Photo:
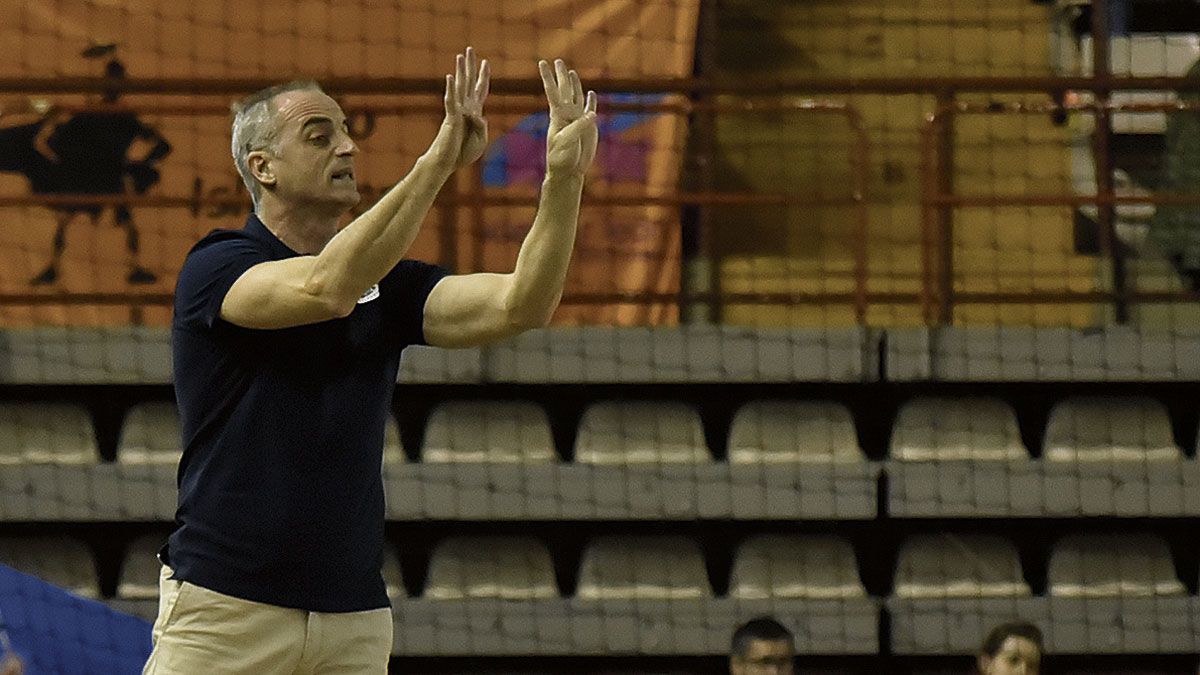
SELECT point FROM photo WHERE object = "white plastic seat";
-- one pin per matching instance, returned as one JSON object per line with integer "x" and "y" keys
{"x": 1109, "y": 565}
{"x": 959, "y": 566}
{"x": 949, "y": 429}
{"x": 504, "y": 568}
{"x": 643, "y": 568}
{"x": 507, "y": 432}
{"x": 150, "y": 435}
{"x": 783, "y": 566}
{"x": 627, "y": 432}
{"x": 1110, "y": 429}
{"x": 393, "y": 451}
{"x": 62, "y": 561}
{"x": 50, "y": 433}
{"x": 141, "y": 569}
{"x": 793, "y": 432}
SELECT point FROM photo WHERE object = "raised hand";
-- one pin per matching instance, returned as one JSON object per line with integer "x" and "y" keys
{"x": 572, "y": 135}
{"x": 465, "y": 127}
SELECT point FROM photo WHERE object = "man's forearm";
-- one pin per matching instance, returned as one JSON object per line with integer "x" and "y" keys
{"x": 537, "y": 281}
{"x": 370, "y": 246}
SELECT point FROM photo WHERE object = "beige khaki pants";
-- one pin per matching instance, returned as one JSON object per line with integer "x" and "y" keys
{"x": 199, "y": 631}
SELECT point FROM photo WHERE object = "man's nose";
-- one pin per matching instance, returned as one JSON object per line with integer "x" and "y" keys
{"x": 346, "y": 145}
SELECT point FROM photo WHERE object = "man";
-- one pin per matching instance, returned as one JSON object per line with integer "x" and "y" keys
{"x": 762, "y": 647}
{"x": 1011, "y": 649}
{"x": 287, "y": 337}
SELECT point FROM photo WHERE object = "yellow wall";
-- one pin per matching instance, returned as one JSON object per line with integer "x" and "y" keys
{"x": 807, "y": 249}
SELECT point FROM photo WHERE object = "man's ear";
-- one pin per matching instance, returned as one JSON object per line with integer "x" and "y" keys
{"x": 259, "y": 163}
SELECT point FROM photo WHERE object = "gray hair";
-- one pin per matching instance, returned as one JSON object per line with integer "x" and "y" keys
{"x": 254, "y": 128}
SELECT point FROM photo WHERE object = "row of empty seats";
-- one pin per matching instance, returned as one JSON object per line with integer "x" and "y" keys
{"x": 672, "y": 568}
{"x": 1135, "y": 429}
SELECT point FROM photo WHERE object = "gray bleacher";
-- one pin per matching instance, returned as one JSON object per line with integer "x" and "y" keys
{"x": 787, "y": 460}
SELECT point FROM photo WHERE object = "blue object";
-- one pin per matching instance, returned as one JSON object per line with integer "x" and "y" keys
{"x": 520, "y": 153}
{"x": 57, "y": 633}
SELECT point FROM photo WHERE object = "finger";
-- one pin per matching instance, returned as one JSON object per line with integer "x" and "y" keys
{"x": 472, "y": 67}
{"x": 587, "y": 145}
{"x": 548, "y": 83}
{"x": 563, "y": 80}
{"x": 460, "y": 77}
{"x": 576, "y": 88}
{"x": 590, "y": 105}
{"x": 484, "y": 84}
{"x": 451, "y": 104}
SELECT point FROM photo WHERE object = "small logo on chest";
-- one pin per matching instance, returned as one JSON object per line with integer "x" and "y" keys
{"x": 371, "y": 294}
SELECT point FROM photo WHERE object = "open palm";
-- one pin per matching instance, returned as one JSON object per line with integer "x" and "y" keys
{"x": 572, "y": 135}
{"x": 466, "y": 90}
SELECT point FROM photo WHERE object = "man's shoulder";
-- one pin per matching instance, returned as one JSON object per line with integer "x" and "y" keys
{"x": 225, "y": 241}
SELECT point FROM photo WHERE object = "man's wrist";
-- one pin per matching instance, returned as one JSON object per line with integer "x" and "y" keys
{"x": 438, "y": 161}
{"x": 564, "y": 177}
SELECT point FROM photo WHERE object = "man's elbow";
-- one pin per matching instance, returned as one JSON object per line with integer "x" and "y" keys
{"x": 521, "y": 319}
{"x": 331, "y": 303}
{"x": 340, "y": 308}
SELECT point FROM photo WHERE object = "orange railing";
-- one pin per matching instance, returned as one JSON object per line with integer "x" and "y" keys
{"x": 697, "y": 98}
{"x": 475, "y": 197}
{"x": 939, "y": 201}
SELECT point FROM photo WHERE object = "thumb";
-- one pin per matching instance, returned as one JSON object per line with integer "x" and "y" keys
{"x": 449, "y": 99}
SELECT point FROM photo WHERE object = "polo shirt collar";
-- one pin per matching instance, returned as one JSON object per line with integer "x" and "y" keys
{"x": 256, "y": 228}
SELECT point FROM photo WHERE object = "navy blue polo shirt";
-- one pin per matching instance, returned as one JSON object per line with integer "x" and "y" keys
{"x": 280, "y": 492}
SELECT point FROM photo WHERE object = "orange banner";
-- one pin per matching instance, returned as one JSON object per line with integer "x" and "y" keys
{"x": 179, "y": 159}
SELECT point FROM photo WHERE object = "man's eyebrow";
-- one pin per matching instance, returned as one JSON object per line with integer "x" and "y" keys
{"x": 316, "y": 119}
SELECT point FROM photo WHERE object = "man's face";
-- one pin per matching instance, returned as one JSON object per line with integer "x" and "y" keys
{"x": 764, "y": 657}
{"x": 312, "y": 161}
{"x": 1017, "y": 656}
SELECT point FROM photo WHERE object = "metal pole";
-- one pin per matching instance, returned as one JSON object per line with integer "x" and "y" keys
{"x": 1102, "y": 149}
{"x": 944, "y": 165}
{"x": 699, "y": 276}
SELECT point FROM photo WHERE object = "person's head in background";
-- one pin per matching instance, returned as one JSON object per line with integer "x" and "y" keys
{"x": 1011, "y": 649}
{"x": 761, "y": 647}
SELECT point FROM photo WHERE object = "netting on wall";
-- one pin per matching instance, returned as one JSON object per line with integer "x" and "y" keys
{"x": 700, "y": 440}
{"x": 175, "y": 153}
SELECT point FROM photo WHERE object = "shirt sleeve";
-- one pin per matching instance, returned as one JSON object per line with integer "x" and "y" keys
{"x": 405, "y": 290}
{"x": 208, "y": 273}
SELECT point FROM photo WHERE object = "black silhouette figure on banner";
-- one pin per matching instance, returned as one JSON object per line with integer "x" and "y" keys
{"x": 86, "y": 154}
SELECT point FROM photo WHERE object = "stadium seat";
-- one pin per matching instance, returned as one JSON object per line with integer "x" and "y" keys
{"x": 809, "y": 567}
{"x": 503, "y": 568}
{"x": 62, "y": 561}
{"x": 141, "y": 570}
{"x": 55, "y": 433}
{"x": 393, "y": 451}
{"x": 778, "y": 432}
{"x": 640, "y": 432}
{"x": 508, "y": 432}
{"x": 643, "y": 568}
{"x": 958, "y": 566}
{"x": 1110, "y": 429}
{"x": 1107, "y": 565}
{"x": 393, "y": 578}
{"x": 150, "y": 435}
{"x": 949, "y": 429}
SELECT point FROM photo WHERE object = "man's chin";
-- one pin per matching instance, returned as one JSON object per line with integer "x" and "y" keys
{"x": 344, "y": 199}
